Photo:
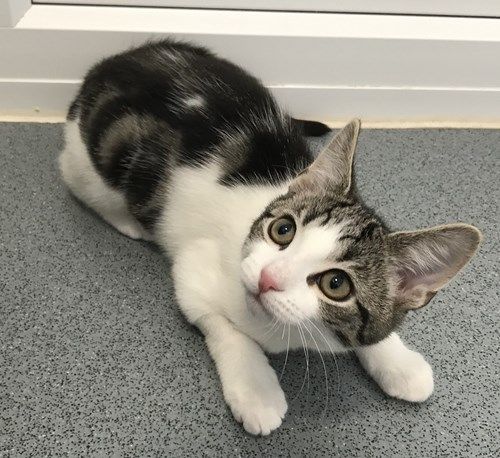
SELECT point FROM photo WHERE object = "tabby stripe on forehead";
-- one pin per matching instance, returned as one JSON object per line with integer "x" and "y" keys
{"x": 368, "y": 230}
{"x": 347, "y": 236}
{"x": 365, "y": 316}
{"x": 267, "y": 214}
{"x": 328, "y": 217}
{"x": 327, "y": 214}
{"x": 365, "y": 233}
{"x": 311, "y": 216}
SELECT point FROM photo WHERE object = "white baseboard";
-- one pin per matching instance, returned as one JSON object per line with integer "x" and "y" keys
{"x": 384, "y": 69}
{"x": 49, "y": 99}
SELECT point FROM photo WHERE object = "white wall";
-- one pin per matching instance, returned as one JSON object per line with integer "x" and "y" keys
{"x": 321, "y": 66}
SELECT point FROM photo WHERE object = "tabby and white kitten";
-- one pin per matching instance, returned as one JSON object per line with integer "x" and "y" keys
{"x": 170, "y": 143}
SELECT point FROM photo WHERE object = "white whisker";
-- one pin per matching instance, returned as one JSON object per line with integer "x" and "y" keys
{"x": 286, "y": 356}
{"x": 324, "y": 368}
{"x": 331, "y": 352}
{"x": 306, "y": 356}
{"x": 271, "y": 329}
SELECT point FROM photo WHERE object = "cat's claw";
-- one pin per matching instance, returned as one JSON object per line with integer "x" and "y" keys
{"x": 261, "y": 411}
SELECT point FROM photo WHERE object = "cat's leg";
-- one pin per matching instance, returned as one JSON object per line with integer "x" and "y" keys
{"x": 86, "y": 184}
{"x": 249, "y": 384}
{"x": 399, "y": 371}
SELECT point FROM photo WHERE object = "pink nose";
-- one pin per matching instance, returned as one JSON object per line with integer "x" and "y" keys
{"x": 267, "y": 282}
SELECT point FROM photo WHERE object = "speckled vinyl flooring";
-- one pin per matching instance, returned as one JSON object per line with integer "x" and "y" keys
{"x": 96, "y": 360}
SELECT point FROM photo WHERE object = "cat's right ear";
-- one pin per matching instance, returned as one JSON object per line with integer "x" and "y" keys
{"x": 332, "y": 169}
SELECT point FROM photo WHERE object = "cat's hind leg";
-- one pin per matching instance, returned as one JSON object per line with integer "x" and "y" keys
{"x": 87, "y": 185}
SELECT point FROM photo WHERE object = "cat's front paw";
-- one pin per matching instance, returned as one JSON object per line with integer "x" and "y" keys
{"x": 260, "y": 409}
{"x": 408, "y": 377}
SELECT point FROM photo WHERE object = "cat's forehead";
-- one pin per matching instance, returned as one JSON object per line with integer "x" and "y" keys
{"x": 342, "y": 228}
{"x": 327, "y": 210}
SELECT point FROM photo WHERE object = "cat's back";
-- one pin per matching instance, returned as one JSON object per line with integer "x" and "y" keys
{"x": 145, "y": 113}
{"x": 183, "y": 85}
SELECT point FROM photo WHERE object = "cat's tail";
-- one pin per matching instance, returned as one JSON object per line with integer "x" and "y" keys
{"x": 311, "y": 128}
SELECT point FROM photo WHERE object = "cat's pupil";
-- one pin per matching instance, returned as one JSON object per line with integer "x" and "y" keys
{"x": 285, "y": 229}
{"x": 336, "y": 281}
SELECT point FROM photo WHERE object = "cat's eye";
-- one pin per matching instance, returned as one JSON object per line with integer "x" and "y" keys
{"x": 282, "y": 230}
{"x": 335, "y": 284}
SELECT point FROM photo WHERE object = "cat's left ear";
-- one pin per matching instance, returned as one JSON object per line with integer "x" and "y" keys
{"x": 422, "y": 262}
{"x": 332, "y": 169}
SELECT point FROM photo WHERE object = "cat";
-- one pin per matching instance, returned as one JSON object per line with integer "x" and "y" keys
{"x": 169, "y": 143}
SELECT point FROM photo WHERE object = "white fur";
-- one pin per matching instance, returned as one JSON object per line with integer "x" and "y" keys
{"x": 399, "y": 371}
{"x": 82, "y": 178}
{"x": 249, "y": 383}
{"x": 203, "y": 229}
{"x": 196, "y": 101}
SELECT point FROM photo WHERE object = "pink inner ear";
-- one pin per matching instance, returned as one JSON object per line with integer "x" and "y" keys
{"x": 410, "y": 280}
{"x": 426, "y": 260}
{"x": 429, "y": 268}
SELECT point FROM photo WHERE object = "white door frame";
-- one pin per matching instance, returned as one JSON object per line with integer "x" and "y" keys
{"x": 11, "y": 11}
{"x": 413, "y": 7}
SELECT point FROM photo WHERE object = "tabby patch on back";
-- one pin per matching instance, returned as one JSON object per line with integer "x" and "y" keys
{"x": 170, "y": 143}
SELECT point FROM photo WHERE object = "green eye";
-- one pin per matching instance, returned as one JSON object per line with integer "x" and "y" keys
{"x": 335, "y": 284}
{"x": 282, "y": 230}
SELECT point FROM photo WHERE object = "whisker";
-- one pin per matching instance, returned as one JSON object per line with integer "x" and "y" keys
{"x": 307, "y": 363}
{"x": 331, "y": 352}
{"x": 306, "y": 354}
{"x": 324, "y": 370}
{"x": 286, "y": 356}
{"x": 307, "y": 360}
{"x": 270, "y": 332}
{"x": 272, "y": 323}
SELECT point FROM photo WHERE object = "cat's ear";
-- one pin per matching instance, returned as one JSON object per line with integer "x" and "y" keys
{"x": 422, "y": 262}
{"x": 332, "y": 169}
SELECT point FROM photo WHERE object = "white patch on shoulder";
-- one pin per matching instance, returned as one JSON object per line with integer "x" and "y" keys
{"x": 198, "y": 205}
{"x": 196, "y": 101}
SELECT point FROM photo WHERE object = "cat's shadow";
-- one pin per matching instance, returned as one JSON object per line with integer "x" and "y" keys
{"x": 324, "y": 387}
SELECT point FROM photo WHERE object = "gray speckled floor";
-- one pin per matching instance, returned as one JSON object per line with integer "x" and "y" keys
{"x": 95, "y": 358}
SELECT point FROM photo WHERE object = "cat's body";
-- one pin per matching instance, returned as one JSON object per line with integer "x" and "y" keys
{"x": 171, "y": 144}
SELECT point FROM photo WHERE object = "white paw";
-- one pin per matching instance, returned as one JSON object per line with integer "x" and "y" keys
{"x": 260, "y": 405}
{"x": 408, "y": 377}
{"x": 131, "y": 229}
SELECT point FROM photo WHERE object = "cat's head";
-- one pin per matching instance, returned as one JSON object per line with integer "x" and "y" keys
{"x": 317, "y": 253}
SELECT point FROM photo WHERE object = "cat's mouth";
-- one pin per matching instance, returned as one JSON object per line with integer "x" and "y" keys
{"x": 257, "y": 304}
{"x": 255, "y": 301}
{"x": 270, "y": 306}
